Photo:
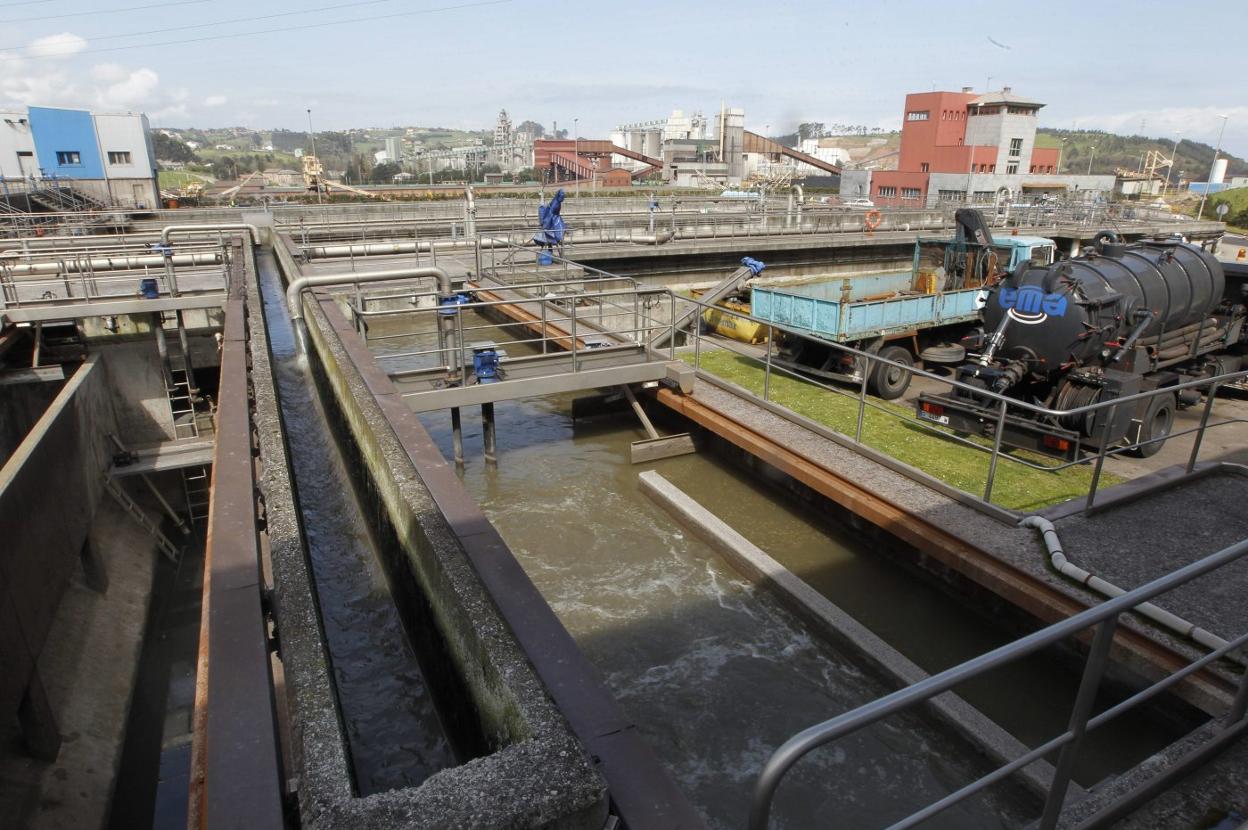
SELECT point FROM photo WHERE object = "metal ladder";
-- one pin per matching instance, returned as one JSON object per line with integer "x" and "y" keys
{"x": 123, "y": 498}
{"x": 180, "y": 390}
{"x": 196, "y": 485}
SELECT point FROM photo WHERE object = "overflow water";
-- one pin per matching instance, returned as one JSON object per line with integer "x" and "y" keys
{"x": 716, "y": 674}
{"x": 392, "y": 726}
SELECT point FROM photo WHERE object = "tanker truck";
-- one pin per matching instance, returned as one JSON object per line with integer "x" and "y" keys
{"x": 1117, "y": 320}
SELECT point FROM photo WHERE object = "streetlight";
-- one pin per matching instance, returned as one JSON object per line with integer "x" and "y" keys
{"x": 1061, "y": 148}
{"x": 576, "y": 138}
{"x": 312, "y": 138}
{"x": 1090, "y": 159}
{"x": 1216, "y": 151}
{"x": 1174, "y": 158}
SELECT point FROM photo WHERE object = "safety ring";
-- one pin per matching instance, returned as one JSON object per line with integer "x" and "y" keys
{"x": 872, "y": 219}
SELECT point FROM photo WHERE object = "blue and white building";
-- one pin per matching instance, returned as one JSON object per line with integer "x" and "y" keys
{"x": 107, "y": 156}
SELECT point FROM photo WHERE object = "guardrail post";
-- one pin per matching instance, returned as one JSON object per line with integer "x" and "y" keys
{"x": 1200, "y": 434}
{"x": 697, "y": 342}
{"x": 1090, "y": 683}
{"x": 671, "y": 337}
{"x": 771, "y": 333}
{"x": 574, "y": 366}
{"x": 1100, "y": 459}
{"x": 862, "y": 399}
{"x": 996, "y": 451}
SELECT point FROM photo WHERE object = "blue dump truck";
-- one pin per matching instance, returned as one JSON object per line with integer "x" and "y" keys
{"x": 913, "y": 317}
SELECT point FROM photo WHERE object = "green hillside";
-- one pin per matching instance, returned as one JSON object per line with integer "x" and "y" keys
{"x": 1237, "y": 200}
{"x": 1114, "y": 151}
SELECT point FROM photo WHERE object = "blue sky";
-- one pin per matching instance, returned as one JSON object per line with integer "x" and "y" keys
{"x": 1123, "y": 66}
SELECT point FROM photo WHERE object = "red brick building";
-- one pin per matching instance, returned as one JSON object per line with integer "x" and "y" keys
{"x": 960, "y": 144}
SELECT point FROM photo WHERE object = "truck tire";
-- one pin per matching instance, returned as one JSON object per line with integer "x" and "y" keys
{"x": 891, "y": 382}
{"x": 1157, "y": 423}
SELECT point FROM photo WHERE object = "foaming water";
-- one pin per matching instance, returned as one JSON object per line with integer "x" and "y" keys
{"x": 392, "y": 727}
{"x": 716, "y": 674}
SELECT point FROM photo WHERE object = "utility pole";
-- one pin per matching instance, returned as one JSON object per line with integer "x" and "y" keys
{"x": 1216, "y": 151}
{"x": 1090, "y": 158}
{"x": 576, "y": 145}
{"x": 321, "y": 172}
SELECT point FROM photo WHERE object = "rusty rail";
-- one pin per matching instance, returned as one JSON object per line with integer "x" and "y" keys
{"x": 235, "y": 758}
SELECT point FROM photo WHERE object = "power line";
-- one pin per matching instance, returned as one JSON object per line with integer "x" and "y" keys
{"x": 44, "y": 17}
{"x": 90, "y": 39}
{"x": 254, "y": 32}
{"x": 24, "y": 3}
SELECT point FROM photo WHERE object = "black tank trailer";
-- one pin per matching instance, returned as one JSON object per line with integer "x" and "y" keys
{"x": 1117, "y": 320}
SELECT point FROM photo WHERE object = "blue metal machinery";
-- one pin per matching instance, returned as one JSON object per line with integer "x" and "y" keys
{"x": 485, "y": 358}
{"x": 551, "y": 222}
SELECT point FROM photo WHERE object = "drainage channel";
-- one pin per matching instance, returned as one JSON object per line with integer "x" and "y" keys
{"x": 395, "y": 736}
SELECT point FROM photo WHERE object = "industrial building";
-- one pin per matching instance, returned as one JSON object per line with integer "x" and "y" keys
{"x": 105, "y": 159}
{"x": 965, "y": 146}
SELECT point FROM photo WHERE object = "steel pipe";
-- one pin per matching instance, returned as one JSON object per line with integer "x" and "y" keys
{"x": 1090, "y": 580}
{"x": 294, "y": 291}
{"x": 71, "y": 265}
{"x": 185, "y": 230}
{"x": 387, "y": 248}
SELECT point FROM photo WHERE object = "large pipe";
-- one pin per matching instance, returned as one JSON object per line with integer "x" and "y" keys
{"x": 385, "y": 248}
{"x": 294, "y": 303}
{"x": 187, "y": 230}
{"x": 1089, "y": 580}
{"x": 470, "y": 209}
{"x": 795, "y": 190}
{"x": 70, "y": 264}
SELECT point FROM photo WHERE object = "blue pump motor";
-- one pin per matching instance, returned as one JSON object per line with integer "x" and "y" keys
{"x": 450, "y": 305}
{"x": 149, "y": 289}
{"x": 753, "y": 264}
{"x": 485, "y": 364}
{"x": 544, "y": 258}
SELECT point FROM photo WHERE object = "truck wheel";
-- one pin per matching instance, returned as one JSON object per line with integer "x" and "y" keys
{"x": 1157, "y": 423}
{"x": 891, "y": 382}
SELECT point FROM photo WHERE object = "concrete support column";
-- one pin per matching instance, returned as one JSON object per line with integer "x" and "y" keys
{"x": 487, "y": 432}
{"x": 457, "y": 436}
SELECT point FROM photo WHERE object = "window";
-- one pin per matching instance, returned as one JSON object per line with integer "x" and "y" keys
{"x": 910, "y": 193}
{"x": 118, "y": 157}
{"x": 917, "y": 115}
{"x": 1012, "y": 167}
{"x": 68, "y": 157}
{"x": 1016, "y": 146}
{"x": 923, "y": 167}
{"x": 887, "y": 192}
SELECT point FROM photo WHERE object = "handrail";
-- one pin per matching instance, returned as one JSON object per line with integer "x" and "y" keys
{"x": 294, "y": 304}
{"x": 1105, "y": 616}
{"x": 185, "y": 230}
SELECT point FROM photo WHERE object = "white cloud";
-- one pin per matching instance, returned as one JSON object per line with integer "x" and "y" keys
{"x": 58, "y": 45}
{"x": 1196, "y": 123}
{"x": 215, "y": 101}
{"x": 133, "y": 89}
{"x": 109, "y": 73}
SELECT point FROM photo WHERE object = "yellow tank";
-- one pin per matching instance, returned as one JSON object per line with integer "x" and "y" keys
{"x": 730, "y": 325}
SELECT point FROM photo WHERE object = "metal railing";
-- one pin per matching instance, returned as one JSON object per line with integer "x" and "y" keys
{"x": 866, "y": 363}
{"x": 1104, "y": 618}
{"x": 60, "y": 275}
{"x": 570, "y": 324}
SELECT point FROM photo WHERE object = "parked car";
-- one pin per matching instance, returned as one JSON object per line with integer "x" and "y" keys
{"x": 858, "y": 204}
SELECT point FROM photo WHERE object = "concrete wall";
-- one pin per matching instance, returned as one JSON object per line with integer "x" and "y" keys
{"x": 49, "y": 490}
{"x": 138, "y": 385}
{"x": 15, "y": 138}
{"x": 20, "y": 407}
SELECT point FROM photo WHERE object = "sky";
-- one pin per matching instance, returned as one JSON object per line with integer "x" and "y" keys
{"x": 1120, "y": 65}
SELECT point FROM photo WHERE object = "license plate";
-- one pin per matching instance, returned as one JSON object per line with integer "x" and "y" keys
{"x": 939, "y": 419}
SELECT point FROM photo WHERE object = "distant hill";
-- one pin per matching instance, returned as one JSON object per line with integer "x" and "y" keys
{"x": 1114, "y": 151}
